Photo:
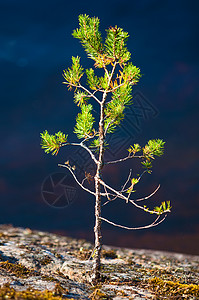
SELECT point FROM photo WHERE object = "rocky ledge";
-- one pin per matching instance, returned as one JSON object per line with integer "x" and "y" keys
{"x": 41, "y": 265}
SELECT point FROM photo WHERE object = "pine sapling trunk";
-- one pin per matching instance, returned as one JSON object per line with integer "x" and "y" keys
{"x": 97, "y": 228}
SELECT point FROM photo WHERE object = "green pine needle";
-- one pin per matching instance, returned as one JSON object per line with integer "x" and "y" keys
{"x": 52, "y": 143}
{"x": 84, "y": 122}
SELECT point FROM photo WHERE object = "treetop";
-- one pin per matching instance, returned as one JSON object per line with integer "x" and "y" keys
{"x": 114, "y": 48}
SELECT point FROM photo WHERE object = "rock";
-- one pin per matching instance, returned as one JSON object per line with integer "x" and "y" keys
{"x": 53, "y": 266}
{"x": 77, "y": 270}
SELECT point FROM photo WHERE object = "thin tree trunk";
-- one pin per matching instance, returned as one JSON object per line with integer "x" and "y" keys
{"x": 97, "y": 231}
{"x": 97, "y": 228}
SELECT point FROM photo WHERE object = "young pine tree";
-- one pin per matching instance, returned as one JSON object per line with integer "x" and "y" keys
{"x": 113, "y": 94}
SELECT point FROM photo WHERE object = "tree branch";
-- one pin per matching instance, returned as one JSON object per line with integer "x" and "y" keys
{"x": 145, "y": 171}
{"x": 85, "y": 147}
{"x": 128, "y": 200}
{"x": 122, "y": 190}
{"x": 107, "y": 195}
{"x": 123, "y": 159}
{"x": 149, "y": 196}
{"x": 91, "y": 94}
{"x": 85, "y": 89}
{"x": 109, "y": 81}
{"x": 69, "y": 168}
{"x": 155, "y": 223}
{"x": 112, "y": 121}
{"x": 105, "y": 69}
{"x": 118, "y": 86}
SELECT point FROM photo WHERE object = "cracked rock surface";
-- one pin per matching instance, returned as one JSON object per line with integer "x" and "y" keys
{"x": 39, "y": 261}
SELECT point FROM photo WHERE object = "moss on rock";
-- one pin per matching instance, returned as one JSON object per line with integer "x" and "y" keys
{"x": 7, "y": 292}
{"x": 173, "y": 289}
{"x": 17, "y": 269}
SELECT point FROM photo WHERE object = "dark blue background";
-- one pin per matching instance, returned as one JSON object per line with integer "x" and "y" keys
{"x": 36, "y": 45}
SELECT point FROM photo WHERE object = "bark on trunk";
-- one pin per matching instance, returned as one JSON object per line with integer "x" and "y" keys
{"x": 97, "y": 228}
{"x": 97, "y": 231}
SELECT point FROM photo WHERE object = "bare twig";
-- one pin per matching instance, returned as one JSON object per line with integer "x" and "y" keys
{"x": 107, "y": 194}
{"x": 90, "y": 152}
{"x": 149, "y": 196}
{"x": 105, "y": 69}
{"x": 85, "y": 147}
{"x": 106, "y": 91}
{"x": 118, "y": 86}
{"x": 130, "y": 172}
{"x": 107, "y": 127}
{"x": 83, "y": 180}
{"x": 112, "y": 72}
{"x": 85, "y": 89}
{"x": 155, "y": 223}
{"x": 88, "y": 137}
{"x": 137, "y": 179}
{"x": 69, "y": 168}
{"x": 122, "y": 190}
{"x": 120, "y": 195}
{"x": 91, "y": 94}
{"x": 123, "y": 159}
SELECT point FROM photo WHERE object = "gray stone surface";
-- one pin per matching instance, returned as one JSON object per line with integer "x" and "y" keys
{"x": 50, "y": 259}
